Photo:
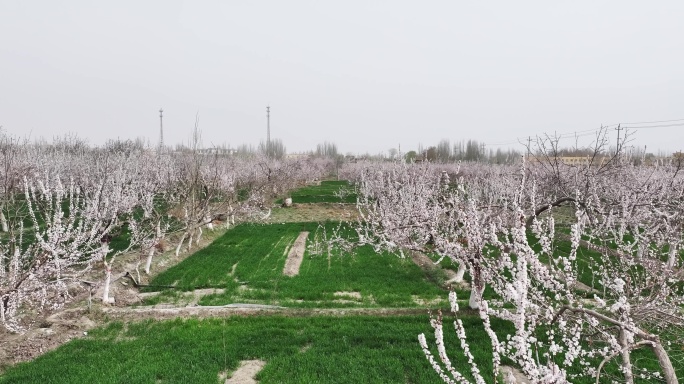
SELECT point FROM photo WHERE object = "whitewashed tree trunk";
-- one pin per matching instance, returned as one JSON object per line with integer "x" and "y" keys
{"x": 148, "y": 264}
{"x": 459, "y": 274}
{"x": 150, "y": 254}
{"x": 475, "y": 296}
{"x": 180, "y": 243}
{"x": 3, "y": 222}
{"x": 2, "y": 262}
{"x": 2, "y": 313}
{"x": 108, "y": 279}
{"x": 672, "y": 257}
{"x": 190, "y": 241}
{"x": 267, "y": 215}
{"x": 640, "y": 252}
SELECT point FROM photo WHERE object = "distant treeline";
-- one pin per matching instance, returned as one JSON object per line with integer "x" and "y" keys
{"x": 464, "y": 150}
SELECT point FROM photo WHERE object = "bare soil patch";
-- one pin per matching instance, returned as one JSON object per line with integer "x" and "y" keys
{"x": 296, "y": 255}
{"x": 426, "y": 302}
{"x": 246, "y": 372}
{"x": 353, "y": 295}
{"x": 52, "y": 332}
{"x": 314, "y": 212}
{"x": 197, "y": 294}
{"x": 246, "y": 310}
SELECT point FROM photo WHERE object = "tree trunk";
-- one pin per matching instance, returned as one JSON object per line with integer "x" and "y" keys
{"x": 2, "y": 312}
{"x": 108, "y": 279}
{"x": 476, "y": 295}
{"x": 626, "y": 361}
{"x": 148, "y": 264}
{"x": 672, "y": 257}
{"x": 3, "y": 222}
{"x": 180, "y": 243}
{"x": 459, "y": 274}
{"x": 665, "y": 363}
{"x": 477, "y": 287}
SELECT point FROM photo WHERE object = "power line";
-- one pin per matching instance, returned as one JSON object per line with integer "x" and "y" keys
{"x": 590, "y": 132}
{"x": 572, "y": 135}
{"x": 654, "y": 122}
{"x": 657, "y": 126}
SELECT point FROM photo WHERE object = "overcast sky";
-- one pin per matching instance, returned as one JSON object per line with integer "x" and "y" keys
{"x": 366, "y": 75}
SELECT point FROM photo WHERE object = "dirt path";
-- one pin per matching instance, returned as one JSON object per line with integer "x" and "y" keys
{"x": 296, "y": 255}
{"x": 246, "y": 372}
{"x": 247, "y": 310}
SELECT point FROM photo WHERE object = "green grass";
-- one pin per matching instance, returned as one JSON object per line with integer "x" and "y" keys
{"x": 258, "y": 253}
{"x": 353, "y": 349}
{"x": 248, "y": 263}
{"x": 327, "y": 192}
{"x": 585, "y": 258}
{"x": 297, "y": 350}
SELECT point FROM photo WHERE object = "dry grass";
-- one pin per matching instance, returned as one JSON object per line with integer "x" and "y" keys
{"x": 314, "y": 212}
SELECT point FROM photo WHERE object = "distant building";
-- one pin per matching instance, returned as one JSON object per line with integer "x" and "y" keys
{"x": 217, "y": 151}
{"x": 297, "y": 156}
{"x": 570, "y": 160}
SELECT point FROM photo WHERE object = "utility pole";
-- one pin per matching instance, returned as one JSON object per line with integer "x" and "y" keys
{"x": 268, "y": 130}
{"x": 617, "y": 149}
{"x": 529, "y": 141}
{"x": 161, "y": 129}
{"x": 643, "y": 158}
{"x": 482, "y": 146}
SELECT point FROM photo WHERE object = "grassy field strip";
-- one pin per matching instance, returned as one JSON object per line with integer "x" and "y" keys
{"x": 350, "y": 318}
{"x": 360, "y": 349}
{"x": 259, "y": 280}
{"x": 296, "y": 255}
{"x": 329, "y": 191}
{"x": 309, "y": 349}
